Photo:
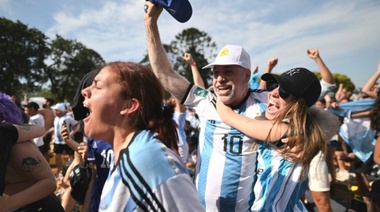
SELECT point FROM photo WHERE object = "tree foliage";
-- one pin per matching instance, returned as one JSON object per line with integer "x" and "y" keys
{"x": 195, "y": 42}
{"x": 200, "y": 45}
{"x": 346, "y": 81}
{"x": 22, "y": 55}
{"x": 70, "y": 61}
{"x": 340, "y": 78}
{"x": 30, "y": 62}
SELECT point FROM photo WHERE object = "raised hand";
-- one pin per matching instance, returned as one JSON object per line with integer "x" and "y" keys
{"x": 271, "y": 63}
{"x": 188, "y": 58}
{"x": 65, "y": 132}
{"x": 313, "y": 53}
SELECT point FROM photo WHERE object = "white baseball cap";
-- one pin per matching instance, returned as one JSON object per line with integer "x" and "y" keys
{"x": 232, "y": 55}
{"x": 60, "y": 107}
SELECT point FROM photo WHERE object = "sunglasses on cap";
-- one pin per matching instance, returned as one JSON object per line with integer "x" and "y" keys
{"x": 273, "y": 85}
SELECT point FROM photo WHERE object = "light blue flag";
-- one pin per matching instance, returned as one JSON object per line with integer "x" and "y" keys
{"x": 356, "y": 132}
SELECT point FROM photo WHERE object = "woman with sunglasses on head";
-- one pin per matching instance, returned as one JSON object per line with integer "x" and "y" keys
{"x": 287, "y": 140}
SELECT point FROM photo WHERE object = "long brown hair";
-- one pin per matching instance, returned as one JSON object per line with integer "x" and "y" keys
{"x": 304, "y": 136}
{"x": 140, "y": 83}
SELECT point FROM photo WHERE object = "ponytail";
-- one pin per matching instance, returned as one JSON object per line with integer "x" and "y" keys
{"x": 166, "y": 127}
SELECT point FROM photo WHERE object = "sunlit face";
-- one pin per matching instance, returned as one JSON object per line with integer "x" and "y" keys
{"x": 60, "y": 179}
{"x": 30, "y": 111}
{"x": 58, "y": 113}
{"x": 103, "y": 100}
{"x": 276, "y": 104}
{"x": 27, "y": 111}
{"x": 230, "y": 83}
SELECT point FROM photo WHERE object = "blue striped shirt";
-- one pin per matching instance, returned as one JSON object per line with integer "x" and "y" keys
{"x": 226, "y": 159}
{"x": 278, "y": 186}
{"x": 149, "y": 177}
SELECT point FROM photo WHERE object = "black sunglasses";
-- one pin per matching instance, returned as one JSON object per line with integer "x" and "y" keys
{"x": 273, "y": 85}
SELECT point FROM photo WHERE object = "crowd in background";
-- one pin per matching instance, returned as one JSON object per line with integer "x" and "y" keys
{"x": 352, "y": 154}
{"x": 343, "y": 165}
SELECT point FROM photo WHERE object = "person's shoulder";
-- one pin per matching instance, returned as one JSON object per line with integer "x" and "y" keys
{"x": 8, "y": 135}
{"x": 145, "y": 143}
{"x": 259, "y": 95}
{"x": 257, "y": 91}
{"x": 69, "y": 117}
{"x": 8, "y": 128}
{"x": 45, "y": 111}
{"x": 37, "y": 117}
{"x": 326, "y": 84}
{"x": 102, "y": 145}
{"x": 144, "y": 139}
{"x": 25, "y": 148}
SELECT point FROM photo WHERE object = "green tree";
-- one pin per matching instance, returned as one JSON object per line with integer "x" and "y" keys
{"x": 346, "y": 81}
{"x": 340, "y": 78}
{"x": 70, "y": 61}
{"x": 22, "y": 54}
{"x": 199, "y": 44}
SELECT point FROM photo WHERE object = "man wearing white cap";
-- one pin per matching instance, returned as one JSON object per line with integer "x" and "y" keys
{"x": 60, "y": 146}
{"x": 225, "y": 166}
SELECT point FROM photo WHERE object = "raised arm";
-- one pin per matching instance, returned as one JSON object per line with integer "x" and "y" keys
{"x": 171, "y": 80}
{"x": 323, "y": 69}
{"x": 66, "y": 135}
{"x": 198, "y": 81}
{"x": 271, "y": 63}
{"x": 28, "y": 132}
{"x": 369, "y": 87}
{"x": 257, "y": 129}
{"x": 339, "y": 95}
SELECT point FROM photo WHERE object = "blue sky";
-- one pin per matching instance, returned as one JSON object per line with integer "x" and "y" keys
{"x": 347, "y": 33}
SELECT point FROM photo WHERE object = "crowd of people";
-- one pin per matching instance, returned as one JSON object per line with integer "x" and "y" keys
{"x": 249, "y": 142}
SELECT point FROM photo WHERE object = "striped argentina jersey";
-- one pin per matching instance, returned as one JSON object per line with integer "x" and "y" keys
{"x": 149, "y": 177}
{"x": 58, "y": 122}
{"x": 278, "y": 186}
{"x": 226, "y": 159}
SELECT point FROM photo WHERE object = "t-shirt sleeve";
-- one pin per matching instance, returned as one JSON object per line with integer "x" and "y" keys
{"x": 318, "y": 174}
{"x": 326, "y": 87}
{"x": 8, "y": 135}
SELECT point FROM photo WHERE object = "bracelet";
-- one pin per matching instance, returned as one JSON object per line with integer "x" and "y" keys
{"x": 193, "y": 64}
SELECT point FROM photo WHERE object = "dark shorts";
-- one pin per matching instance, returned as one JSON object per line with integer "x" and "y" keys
{"x": 60, "y": 148}
{"x": 46, "y": 147}
{"x": 43, "y": 149}
{"x": 47, "y": 139}
{"x": 49, "y": 203}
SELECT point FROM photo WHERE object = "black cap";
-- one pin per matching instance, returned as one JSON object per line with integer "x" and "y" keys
{"x": 299, "y": 82}
{"x": 80, "y": 112}
{"x": 32, "y": 105}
